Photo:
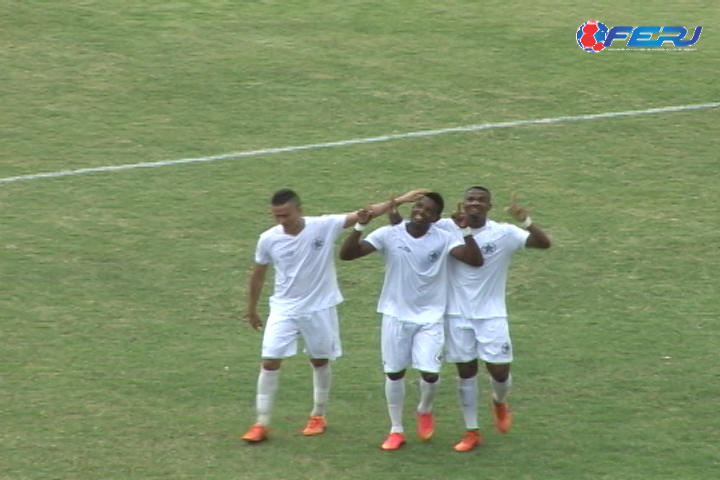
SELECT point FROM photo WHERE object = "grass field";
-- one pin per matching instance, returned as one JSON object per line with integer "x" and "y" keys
{"x": 123, "y": 354}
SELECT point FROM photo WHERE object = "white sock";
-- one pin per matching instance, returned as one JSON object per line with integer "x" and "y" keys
{"x": 395, "y": 395}
{"x": 427, "y": 395}
{"x": 322, "y": 378}
{"x": 467, "y": 389}
{"x": 267, "y": 386}
{"x": 500, "y": 390}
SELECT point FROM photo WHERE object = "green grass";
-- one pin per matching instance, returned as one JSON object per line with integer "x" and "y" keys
{"x": 124, "y": 354}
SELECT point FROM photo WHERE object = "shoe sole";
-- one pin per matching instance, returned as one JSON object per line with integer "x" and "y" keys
{"x": 382, "y": 447}
{"x": 466, "y": 449}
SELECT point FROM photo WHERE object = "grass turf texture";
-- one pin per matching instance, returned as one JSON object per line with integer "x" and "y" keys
{"x": 122, "y": 292}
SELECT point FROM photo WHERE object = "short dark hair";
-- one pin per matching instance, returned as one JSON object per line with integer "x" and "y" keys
{"x": 281, "y": 197}
{"x": 477, "y": 187}
{"x": 438, "y": 199}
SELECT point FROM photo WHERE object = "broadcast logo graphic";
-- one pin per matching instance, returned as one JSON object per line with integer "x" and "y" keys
{"x": 595, "y": 36}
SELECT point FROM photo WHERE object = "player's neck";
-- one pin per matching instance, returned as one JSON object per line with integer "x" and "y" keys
{"x": 295, "y": 228}
{"x": 416, "y": 231}
{"x": 477, "y": 222}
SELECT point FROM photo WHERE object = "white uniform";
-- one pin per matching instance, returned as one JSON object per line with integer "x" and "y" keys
{"x": 306, "y": 291}
{"x": 414, "y": 296}
{"x": 476, "y": 315}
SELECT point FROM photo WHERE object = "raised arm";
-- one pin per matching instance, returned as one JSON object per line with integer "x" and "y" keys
{"x": 470, "y": 252}
{"x": 353, "y": 247}
{"x": 537, "y": 238}
{"x": 393, "y": 214}
{"x": 378, "y": 209}
{"x": 255, "y": 286}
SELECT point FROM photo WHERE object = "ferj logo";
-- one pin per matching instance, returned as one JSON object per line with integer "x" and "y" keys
{"x": 594, "y": 36}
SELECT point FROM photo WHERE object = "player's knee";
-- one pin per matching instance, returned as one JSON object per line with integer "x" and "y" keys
{"x": 271, "y": 363}
{"x": 395, "y": 375}
{"x": 319, "y": 362}
{"x": 430, "y": 377}
{"x": 467, "y": 370}
{"x": 499, "y": 372}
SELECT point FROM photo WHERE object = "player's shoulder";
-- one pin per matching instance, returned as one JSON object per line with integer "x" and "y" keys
{"x": 385, "y": 229}
{"x": 323, "y": 219}
{"x": 446, "y": 224}
{"x": 444, "y": 233}
{"x": 502, "y": 231}
{"x": 271, "y": 232}
{"x": 492, "y": 225}
{"x": 387, "y": 233}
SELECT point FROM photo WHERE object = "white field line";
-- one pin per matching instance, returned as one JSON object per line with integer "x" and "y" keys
{"x": 359, "y": 141}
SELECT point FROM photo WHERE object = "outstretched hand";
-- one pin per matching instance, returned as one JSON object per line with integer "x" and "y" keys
{"x": 459, "y": 216}
{"x": 516, "y": 210}
{"x": 411, "y": 196}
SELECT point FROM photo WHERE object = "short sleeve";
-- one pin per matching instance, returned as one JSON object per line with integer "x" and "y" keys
{"x": 454, "y": 242}
{"x": 518, "y": 236}
{"x": 335, "y": 224}
{"x": 378, "y": 238}
{"x": 262, "y": 252}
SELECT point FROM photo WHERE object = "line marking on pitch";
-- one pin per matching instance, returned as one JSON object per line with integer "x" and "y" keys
{"x": 359, "y": 141}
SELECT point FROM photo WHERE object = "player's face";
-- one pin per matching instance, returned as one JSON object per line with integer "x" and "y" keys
{"x": 424, "y": 212}
{"x": 477, "y": 203}
{"x": 287, "y": 214}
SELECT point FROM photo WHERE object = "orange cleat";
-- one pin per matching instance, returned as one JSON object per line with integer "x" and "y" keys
{"x": 394, "y": 441}
{"x": 256, "y": 433}
{"x": 471, "y": 440}
{"x": 315, "y": 426}
{"x": 503, "y": 417}
{"x": 425, "y": 425}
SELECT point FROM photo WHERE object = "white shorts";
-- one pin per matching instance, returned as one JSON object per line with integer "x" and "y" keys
{"x": 320, "y": 332}
{"x": 404, "y": 343}
{"x": 487, "y": 339}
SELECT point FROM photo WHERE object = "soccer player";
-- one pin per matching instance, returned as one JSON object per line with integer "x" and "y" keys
{"x": 306, "y": 294}
{"x": 476, "y": 320}
{"x": 412, "y": 302}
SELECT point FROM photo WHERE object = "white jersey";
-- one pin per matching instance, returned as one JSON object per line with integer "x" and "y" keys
{"x": 305, "y": 277}
{"x": 480, "y": 292}
{"x": 415, "y": 286}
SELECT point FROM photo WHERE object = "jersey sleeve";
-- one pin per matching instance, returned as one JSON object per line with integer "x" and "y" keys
{"x": 454, "y": 241}
{"x": 448, "y": 225}
{"x": 518, "y": 235}
{"x": 377, "y": 238}
{"x": 262, "y": 252}
{"x": 335, "y": 224}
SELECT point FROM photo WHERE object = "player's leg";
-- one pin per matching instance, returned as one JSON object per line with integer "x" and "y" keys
{"x": 427, "y": 352}
{"x": 461, "y": 347}
{"x": 279, "y": 341}
{"x": 321, "y": 333}
{"x": 496, "y": 352}
{"x": 396, "y": 349}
